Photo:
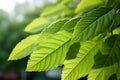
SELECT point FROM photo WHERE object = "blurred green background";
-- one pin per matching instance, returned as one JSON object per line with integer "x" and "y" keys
{"x": 12, "y": 24}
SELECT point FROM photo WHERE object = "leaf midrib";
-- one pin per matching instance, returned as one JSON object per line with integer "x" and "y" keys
{"x": 94, "y": 22}
{"x": 80, "y": 61}
{"x": 51, "y": 52}
{"x": 24, "y": 50}
{"x": 108, "y": 57}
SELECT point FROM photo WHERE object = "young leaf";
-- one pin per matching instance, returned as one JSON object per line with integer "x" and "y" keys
{"x": 37, "y": 25}
{"x": 51, "y": 52}
{"x": 24, "y": 48}
{"x": 82, "y": 64}
{"x": 84, "y": 4}
{"x": 55, "y": 26}
{"x": 93, "y": 23}
{"x": 106, "y": 64}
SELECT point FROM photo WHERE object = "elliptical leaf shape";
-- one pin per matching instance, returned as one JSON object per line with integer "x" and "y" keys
{"x": 93, "y": 23}
{"x": 51, "y": 52}
{"x": 79, "y": 48}
{"x": 107, "y": 64}
{"x": 55, "y": 26}
{"x": 82, "y": 64}
{"x": 69, "y": 25}
{"x": 24, "y": 48}
{"x": 37, "y": 25}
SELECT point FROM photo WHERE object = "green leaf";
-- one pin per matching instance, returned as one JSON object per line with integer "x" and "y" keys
{"x": 54, "y": 12}
{"x": 55, "y": 26}
{"x": 73, "y": 50}
{"x": 106, "y": 63}
{"x": 37, "y": 25}
{"x": 84, "y": 4}
{"x": 24, "y": 48}
{"x": 118, "y": 72}
{"x": 82, "y": 64}
{"x": 69, "y": 12}
{"x": 116, "y": 21}
{"x": 69, "y": 25}
{"x": 93, "y": 23}
{"x": 116, "y": 31}
{"x": 42, "y": 37}
{"x": 85, "y": 11}
{"x": 110, "y": 3}
{"x": 113, "y": 77}
{"x": 66, "y": 1}
{"x": 51, "y": 52}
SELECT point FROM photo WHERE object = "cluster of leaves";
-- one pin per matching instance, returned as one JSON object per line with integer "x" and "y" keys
{"x": 84, "y": 36}
{"x": 11, "y": 32}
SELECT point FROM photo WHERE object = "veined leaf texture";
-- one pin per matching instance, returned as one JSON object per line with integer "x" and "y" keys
{"x": 93, "y": 23}
{"x": 82, "y": 64}
{"x": 24, "y": 48}
{"x": 107, "y": 62}
{"x": 37, "y": 25}
{"x": 85, "y": 41}
{"x": 51, "y": 52}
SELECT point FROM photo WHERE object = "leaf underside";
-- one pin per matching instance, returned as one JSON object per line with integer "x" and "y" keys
{"x": 107, "y": 63}
{"x": 51, "y": 52}
{"x": 37, "y": 25}
{"x": 81, "y": 65}
{"x": 24, "y": 48}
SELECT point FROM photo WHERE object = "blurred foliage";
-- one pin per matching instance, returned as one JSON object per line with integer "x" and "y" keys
{"x": 80, "y": 36}
{"x": 11, "y": 32}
